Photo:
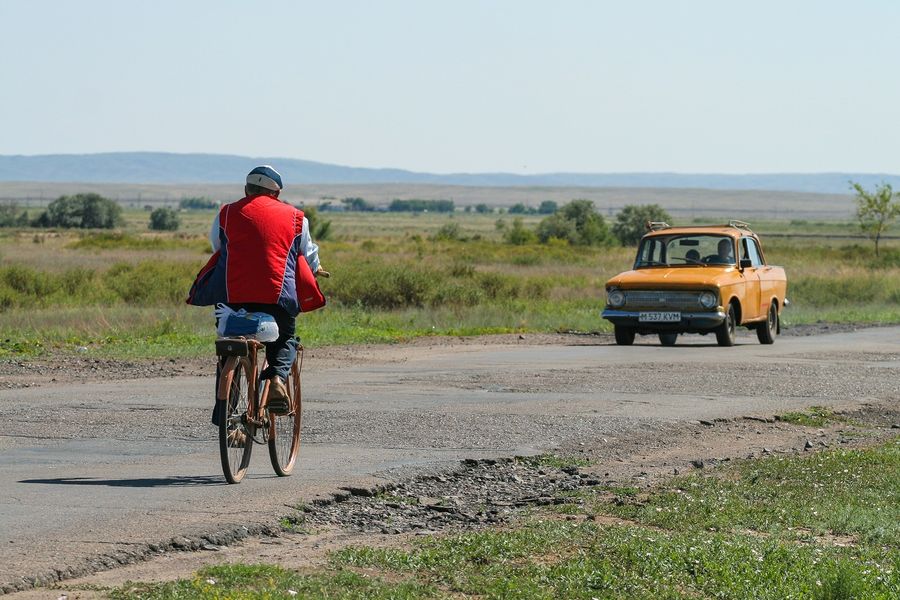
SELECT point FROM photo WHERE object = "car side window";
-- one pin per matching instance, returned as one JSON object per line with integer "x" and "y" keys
{"x": 651, "y": 252}
{"x": 750, "y": 250}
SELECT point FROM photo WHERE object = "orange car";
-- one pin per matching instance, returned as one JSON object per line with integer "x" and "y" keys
{"x": 706, "y": 279}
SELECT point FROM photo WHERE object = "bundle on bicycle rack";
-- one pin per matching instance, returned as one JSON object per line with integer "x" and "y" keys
{"x": 240, "y": 323}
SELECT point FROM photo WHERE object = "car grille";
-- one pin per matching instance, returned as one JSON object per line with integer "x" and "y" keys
{"x": 661, "y": 299}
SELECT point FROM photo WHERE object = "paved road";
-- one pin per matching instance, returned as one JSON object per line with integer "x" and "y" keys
{"x": 91, "y": 468}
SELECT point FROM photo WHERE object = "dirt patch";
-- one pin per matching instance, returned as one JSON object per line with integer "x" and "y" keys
{"x": 491, "y": 492}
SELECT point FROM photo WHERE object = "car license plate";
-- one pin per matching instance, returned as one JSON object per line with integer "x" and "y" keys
{"x": 659, "y": 317}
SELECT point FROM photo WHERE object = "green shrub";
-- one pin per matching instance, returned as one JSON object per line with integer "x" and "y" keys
{"x": 536, "y": 289}
{"x": 548, "y": 207}
{"x": 840, "y": 290}
{"x": 375, "y": 285}
{"x": 499, "y": 287}
{"x": 12, "y": 216}
{"x": 462, "y": 269}
{"x": 122, "y": 241}
{"x": 520, "y": 209}
{"x": 455, "y": 293}
{"x": 25, "y": 287}
{"x": 527, "y": 260}
{"x": 448, "y": 231}
{"x": 889, "y": 258}
{"x": 7, "y": 299}
{"x": 77, "y": 281}
{"x": 518, "y": 234}
{"x": 164, "y": 219}
{"x": 26, "y": 281}
{"x": 578, "y": 223}
{"x": 150, "y": 283}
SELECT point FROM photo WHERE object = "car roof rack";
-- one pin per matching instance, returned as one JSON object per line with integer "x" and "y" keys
{"x": 739, "y": 225}
{"x": 657, "y": 225}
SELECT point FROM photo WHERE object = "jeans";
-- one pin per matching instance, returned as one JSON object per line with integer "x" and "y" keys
{"x": 280, "y": 354}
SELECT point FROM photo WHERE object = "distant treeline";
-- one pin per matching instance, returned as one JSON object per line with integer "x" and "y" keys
{"x": 197, "y": 203}
{"x": 356, "y": 204}
{"x": 422, "y": 206}
{"x": 397, "y": 205}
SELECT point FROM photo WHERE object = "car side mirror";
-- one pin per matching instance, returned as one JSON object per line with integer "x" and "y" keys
{"x": 746, "y": 263}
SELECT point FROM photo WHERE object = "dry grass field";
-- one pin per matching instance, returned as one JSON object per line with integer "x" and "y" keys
{"x": 396, "y": 275}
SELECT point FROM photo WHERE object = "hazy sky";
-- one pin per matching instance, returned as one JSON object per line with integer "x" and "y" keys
{"x": 461, "y": 85}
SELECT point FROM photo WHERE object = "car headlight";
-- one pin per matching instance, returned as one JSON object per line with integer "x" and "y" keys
{"x": 708, "y": 299}
{"x": 615, "y": 298}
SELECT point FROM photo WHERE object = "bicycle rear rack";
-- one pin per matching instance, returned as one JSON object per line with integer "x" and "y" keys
{"x": 237, "y": 346}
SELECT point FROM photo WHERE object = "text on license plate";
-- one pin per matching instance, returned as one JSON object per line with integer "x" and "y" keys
{"x": 659, "y": 317}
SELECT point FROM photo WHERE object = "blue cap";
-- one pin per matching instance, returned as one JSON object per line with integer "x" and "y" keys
{"x": 265, "y": 177}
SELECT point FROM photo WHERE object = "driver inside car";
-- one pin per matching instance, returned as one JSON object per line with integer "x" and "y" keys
{"x": 724, "y": 253}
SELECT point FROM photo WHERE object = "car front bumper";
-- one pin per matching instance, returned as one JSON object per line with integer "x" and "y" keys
{"x": 691, "y": 322}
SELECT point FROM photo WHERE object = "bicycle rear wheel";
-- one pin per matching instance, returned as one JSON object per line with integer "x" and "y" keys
{"x": 284, "y": 430}
{"x": 235, "y": 433}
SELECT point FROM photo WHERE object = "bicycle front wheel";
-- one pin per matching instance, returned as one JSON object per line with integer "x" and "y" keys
{"x": 284, "y": 430}
{"x": 235, "y": 434}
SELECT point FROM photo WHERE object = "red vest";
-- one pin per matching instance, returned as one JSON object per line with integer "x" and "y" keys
{"x": 259, "y": 259}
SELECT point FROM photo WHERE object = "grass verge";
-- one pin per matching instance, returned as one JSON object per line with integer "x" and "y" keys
{"x": 185, "y": 332}
{"x": 821, "y": 526}
{"x": 815, "y": 416}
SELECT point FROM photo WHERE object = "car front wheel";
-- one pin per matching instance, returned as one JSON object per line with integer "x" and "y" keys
{"x": 624, "y": 335}
{"x": 766, "y": 331}
{"x": 725, "y": 333}
{"x": 668, "y": 339}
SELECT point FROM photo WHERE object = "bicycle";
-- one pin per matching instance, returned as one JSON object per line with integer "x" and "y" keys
{"x": 247, "y": 420}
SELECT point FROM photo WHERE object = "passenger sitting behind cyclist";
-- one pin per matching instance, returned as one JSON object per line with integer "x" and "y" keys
{"x": 261, "y": 248}
{"x": 723, "y": 255}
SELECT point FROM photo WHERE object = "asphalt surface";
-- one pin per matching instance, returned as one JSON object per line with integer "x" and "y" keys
{"x": 91, "y": 469}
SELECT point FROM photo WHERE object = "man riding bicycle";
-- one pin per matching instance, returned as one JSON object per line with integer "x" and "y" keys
{"x": 264, "y": 261}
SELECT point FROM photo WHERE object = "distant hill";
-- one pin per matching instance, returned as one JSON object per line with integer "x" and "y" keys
{"x": 168, "y": 168}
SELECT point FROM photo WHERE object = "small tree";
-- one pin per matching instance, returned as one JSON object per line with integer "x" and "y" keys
{"x": 164, "y": 219}
{"x": 875, "y": 210}
{"x": 578, "y": 222}
{"x": 521, "y": 209}
{"x": 547, "y": 207}
{"x": 12, "y": 216}
{"x": 631, "y": 222}
{"x": 518, "y": 234}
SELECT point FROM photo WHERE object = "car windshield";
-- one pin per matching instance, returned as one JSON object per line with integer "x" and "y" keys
{"x": 685, "y": 250}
